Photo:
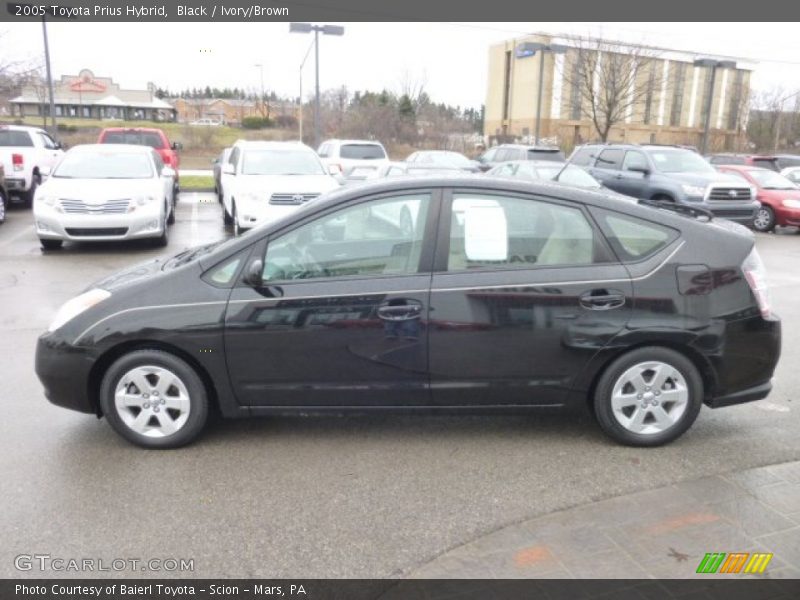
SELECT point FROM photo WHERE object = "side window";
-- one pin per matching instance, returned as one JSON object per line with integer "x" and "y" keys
{"x": 610, "y": 159}
{"x": 633, "y": 238}
{"x": 47, "y": 141}
{"x": 503, "y": 154}
{"x": 634, "y": 160}
{"x": 498, "y": 232}
{"x": 324, "y": 150}
{"x": 489, "y": 155}
{"x": 234, "y": 158}
{"x": 158, "y": 162}
{"x": 377, "y": 238}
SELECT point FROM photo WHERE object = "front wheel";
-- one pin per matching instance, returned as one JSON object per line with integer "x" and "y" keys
{"x": 648, "y": 397}
{"x": 154, "y": 399}
{"x": 764, "y": 220}
{"x": 27, "y": 197}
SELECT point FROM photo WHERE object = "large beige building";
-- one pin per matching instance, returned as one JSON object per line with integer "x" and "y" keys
{"x": 668, "y": 105}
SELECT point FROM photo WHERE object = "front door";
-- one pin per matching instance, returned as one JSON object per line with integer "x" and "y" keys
{"x": 340, "y": 317}
{"x": 523, "y": 295}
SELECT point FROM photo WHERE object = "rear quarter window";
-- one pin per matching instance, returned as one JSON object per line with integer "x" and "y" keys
{"x": 582, "y": 157}
{"x": 632, "y": 238}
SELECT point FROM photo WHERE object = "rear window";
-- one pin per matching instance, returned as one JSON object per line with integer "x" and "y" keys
{"x": 15, "y": 138}
{"x": 362, "y": 151}
{"x": 766, "y": 163}
{"x": 633, "y": 238}
{"x": 582, "y": 157}
{"x": 137, "y": 138}
{"x": 554, "y": 155}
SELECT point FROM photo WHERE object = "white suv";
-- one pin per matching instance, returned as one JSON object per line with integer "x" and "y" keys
{"x": 263, "y": 181}
{"x": 354, "y": 159}
{"x": 28, "y": 154}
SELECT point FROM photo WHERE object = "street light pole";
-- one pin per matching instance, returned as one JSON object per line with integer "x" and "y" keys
{"x": 527, "y": 49}
{"x": 302, "y": 64}
{"x": 54, "y": 129}
{"x": 713, "y": 64}
{"x": 316, "y": 29}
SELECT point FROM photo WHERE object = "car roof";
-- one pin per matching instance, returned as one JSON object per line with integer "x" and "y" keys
{"x": 531, "y": 147}
{"x": 551, "y": 164}
{"x": 343, "y": 142}
{"x": 130, "y": 130}
{"x": 272, "y": 144}
{"x": 126, "y": 148}
{"x": 10, "y": 127}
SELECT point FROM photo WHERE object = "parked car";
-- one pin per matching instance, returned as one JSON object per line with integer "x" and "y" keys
{"x": 533, "y": 170}
{"x": 217, "y": 164}
{"x": 264, "y": 181}
{"x": 27, "y": 155}
{"x": 205, "y": 123}
{"x": 443, "y": 159}
{"x": 352, "y": 159}
{"x": 778, "y": 195}
{"x": 3, "y": 195}
{"x": 416, "y": 169}
{"x": 102, "y": 192}
{"x": 512, "y": 152}
{"x": 154, "y": 138}
{"x": 504, "y": 295}
{"x": 786, "y": 161}
{"x": 670, "y": 174}
{"x": 754, "y": 160}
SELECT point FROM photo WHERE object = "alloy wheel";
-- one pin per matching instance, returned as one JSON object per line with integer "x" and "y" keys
{"x": 152, "y": 401}
{"x": 763, "y": 219}
{"x": 649, "y": 397}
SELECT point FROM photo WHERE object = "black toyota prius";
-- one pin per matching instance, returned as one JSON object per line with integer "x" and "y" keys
{"x": 430, "y": 295}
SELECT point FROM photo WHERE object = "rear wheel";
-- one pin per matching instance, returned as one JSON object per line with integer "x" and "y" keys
{"x": 171, "y": 208}
{"x": 765, "y": 219}
{"x": 163, "y": 239}
{"x": 648, "y": 397}
{"x": 3, "y": 205}
{"x": 27, "y": 197}
{"x": 154, "y": 399}
{"x": 226, "y": 218}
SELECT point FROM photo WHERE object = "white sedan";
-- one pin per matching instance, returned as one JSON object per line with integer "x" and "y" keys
{"x": 101, "y": 192}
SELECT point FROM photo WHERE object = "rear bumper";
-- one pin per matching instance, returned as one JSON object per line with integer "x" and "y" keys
{"x": 757, "y": 392}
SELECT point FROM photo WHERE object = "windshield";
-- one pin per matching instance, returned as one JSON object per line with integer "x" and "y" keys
{"x": 137, "y": 138}
{"x": 770, "y": 180}
{"x": 104, "y": 165}
{"x": 675, "y": 160}
{"x": 362, "y": 151}
{"x": 570, "y": 176}
{"x": 281, "y": 162}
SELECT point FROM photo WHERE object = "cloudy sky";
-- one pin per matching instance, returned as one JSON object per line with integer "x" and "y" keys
{"x": 451, "y": 58}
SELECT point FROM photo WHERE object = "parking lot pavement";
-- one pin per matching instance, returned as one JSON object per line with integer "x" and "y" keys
{"x": 367, "y": 496}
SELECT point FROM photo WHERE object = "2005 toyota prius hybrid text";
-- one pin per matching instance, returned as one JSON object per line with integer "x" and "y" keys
{"x": 499, "y": 295}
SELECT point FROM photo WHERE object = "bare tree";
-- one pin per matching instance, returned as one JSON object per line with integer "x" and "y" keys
{"x": 604, "y": 82}
{"x": 413, "y": 88}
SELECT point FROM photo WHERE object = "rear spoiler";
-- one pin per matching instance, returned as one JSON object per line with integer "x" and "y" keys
{"x": 696, "y": 212}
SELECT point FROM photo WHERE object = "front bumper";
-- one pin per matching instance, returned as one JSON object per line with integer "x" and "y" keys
{"x": 64, "y": 371}
{"x": 787, "y": 216}
{"x": 86, "y": 228}
{"x": 740, "y": 212}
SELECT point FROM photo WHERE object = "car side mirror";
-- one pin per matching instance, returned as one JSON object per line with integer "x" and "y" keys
{"x": 254, "y": 276}
{"x": 59, "y": 146}
{"x": 639, "y": 169}
{"x": 228, "y": 169}
{"x": 44, "y": 172}
{"x": 177, "y": 146}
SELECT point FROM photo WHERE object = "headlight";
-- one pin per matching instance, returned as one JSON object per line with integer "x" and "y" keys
{"x": 72, "y": 308}
{"x": 791, "y": 203}
{"x": 693, "y": 190}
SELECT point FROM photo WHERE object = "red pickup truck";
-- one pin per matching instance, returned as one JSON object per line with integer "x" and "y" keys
{"x": 143, "y": 136}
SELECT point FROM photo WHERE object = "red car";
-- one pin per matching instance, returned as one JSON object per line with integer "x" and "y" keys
{"x": 143, "y": 136}
{"x": 779, "y": 197}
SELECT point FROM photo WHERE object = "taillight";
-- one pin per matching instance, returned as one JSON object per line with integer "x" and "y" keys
{"x": 17, "y": 161}
{"x": 756, "y": 275}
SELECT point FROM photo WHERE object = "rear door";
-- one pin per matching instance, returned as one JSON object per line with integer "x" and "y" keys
{"x": 524, "y": 292}
{"x": 631, "y": 181}
{"x": 340, "y": 318}
{"x": 607, "y": 168}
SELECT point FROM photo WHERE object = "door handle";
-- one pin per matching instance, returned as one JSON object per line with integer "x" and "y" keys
{"x": 400, "y": 310}
{"x": 602, "y": 299}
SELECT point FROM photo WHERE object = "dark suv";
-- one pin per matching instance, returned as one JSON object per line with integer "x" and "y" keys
{"x": 667, "y": 173}
{"x": 506, "y": 152}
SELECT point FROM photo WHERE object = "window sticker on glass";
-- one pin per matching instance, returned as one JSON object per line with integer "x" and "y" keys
{"x": 485, "y": 232}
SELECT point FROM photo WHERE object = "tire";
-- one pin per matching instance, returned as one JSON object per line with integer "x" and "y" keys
{"x": 27, "y": 197}
{"x": 227, "y": 220}
{"x": 171, "y": 217}
{"x": 764, "y": 219}
{"x": 169, "y": 412}
{"x": 51, "y": 244}
{"x": 3, "y": 207}
{"x": 163, "y": 240}
{"x": 641, "y": 415}
{"x": 237, "y": 231}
